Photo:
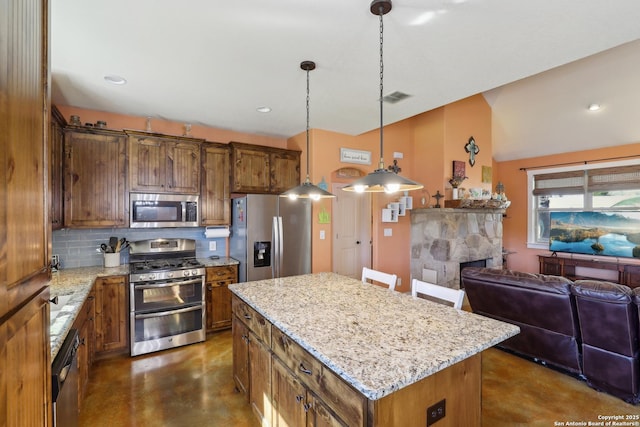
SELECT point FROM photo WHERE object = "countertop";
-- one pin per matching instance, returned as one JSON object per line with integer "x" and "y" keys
{"x": 76, "y": 283}
{"x": 376, "y": 339}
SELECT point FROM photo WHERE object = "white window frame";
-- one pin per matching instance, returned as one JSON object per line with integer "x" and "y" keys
{"x": 531, "y": 200}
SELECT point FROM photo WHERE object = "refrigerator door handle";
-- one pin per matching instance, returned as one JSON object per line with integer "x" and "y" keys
{"x": 274, "y": 248}
{"x": 280, "y": 259}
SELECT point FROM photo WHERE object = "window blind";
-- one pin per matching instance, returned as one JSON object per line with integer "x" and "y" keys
{"x": 619, "y": 178}
{"x": 560, "y": 183}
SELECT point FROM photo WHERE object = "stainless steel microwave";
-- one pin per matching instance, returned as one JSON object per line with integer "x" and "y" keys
{"x": 163, "y": 210}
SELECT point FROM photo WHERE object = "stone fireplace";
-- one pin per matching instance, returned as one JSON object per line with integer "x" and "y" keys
{"x": 442, "y": 239}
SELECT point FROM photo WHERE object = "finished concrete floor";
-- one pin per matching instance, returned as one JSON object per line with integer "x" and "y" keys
{"x": 193, "y": 386}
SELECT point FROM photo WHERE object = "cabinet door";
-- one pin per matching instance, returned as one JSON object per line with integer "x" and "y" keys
{"x": 285, "y": 170}
{"x": 288, "y": 398}
{"x": 218, "y": 296}
{"x": 56, "y": 148}
{"x": 240, "y": 344}
{"x": 147, "y": 164}
{"x": 183, "y": 167}
{"x": 250, "y": 170}
{"x": 84, "y": 323}
{"x": 319, "y": 415}
{"x": 215, "y": 205}
{"x": 111, "y": 313}
{"x": 94, "y": 177}
{"x": 26, "y": 365}
{"x": 260, "y": 377}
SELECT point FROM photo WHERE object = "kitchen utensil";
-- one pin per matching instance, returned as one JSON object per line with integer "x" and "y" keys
{"x": 113, "y": 241}
{"x": 118, "y": 246}
{"x": 104, "y": 248}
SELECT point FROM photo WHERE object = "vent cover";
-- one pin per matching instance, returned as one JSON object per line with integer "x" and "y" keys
{"x": 394, "y": 97}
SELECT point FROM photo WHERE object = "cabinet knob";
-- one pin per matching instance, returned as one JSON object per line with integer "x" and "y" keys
{"x": 209, "y": 287}
{"x": 304, "y": 370}
{"x": 357, "y": 242}
{"x": 299, "y": 398}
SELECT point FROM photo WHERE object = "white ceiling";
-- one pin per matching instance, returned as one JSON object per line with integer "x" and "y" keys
{"x": 213, "y": 63}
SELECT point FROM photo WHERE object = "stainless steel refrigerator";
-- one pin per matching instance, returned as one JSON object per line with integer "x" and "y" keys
{"x": 270, "y": 236}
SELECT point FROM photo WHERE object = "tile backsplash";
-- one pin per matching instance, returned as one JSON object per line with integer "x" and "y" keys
{"x": 81, "y": 247}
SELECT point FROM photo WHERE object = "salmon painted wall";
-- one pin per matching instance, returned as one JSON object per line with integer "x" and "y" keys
{"x": 167, "y": 127}
{"x": 424, "y": 141}
{"x": 463, "y": 119}
{"x": 515, "y": 182}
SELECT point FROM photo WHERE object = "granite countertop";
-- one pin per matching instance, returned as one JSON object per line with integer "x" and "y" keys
{"x": 375, "y": 339}
{"x": 72, "y": 286}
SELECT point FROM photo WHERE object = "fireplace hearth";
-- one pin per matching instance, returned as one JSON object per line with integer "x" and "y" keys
{"x": 443, "y": 239}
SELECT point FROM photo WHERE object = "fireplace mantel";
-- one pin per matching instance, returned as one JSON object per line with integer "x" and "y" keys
{"x": 441, "y": 239}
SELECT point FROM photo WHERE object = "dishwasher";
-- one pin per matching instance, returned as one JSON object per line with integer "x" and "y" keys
{"x": 64, "y": 382}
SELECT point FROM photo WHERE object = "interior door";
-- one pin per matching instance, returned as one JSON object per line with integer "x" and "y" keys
{"x": 352, "y": 232}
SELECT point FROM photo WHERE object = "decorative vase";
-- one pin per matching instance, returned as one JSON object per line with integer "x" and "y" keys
{"x": 455, "y": 194}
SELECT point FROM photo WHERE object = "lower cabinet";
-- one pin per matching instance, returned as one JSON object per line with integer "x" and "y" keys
{"x": 218, "y": 296}
{"x": 284, "y": 384}
{"x": 85, "y": 325}
{"x": 112, "y": 311}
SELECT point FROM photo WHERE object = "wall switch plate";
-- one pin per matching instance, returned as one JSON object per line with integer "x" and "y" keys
{"x": 388, "y": 232}
{"x": 213, "y": 246}
{"x": 398, "y": 155}
{"x": 322, "y": 235}
{"x": 436, "y": 412}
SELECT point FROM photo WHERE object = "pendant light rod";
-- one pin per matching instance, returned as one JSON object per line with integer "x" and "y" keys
{"x": 308, "y": 66}
{"x": 381, "y": 179}
{"x": 307, "y": 190}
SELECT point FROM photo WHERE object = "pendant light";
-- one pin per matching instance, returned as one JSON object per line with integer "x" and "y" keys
{"x": 307, "y": 190}
{"x": 382, "y": 179}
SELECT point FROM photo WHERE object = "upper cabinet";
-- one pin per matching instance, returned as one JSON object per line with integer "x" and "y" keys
{"x": 214, "y": 193}
{"x": 259, "y": 169}
{"x": 94, "y": 178}
{"x": 163, "y": 164}
{"x": 56, "y": 144}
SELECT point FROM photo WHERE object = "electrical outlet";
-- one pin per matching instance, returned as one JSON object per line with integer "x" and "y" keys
{"x": 213, "y": 246}
{"x": 436, "y": 412}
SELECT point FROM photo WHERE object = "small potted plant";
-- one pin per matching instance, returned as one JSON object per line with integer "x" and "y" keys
{"x": 455, "y": 183}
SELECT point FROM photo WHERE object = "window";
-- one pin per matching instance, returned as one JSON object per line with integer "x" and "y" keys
{"x": 614, "y": 186}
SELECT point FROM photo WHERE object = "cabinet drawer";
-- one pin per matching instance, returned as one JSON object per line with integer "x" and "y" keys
{"x": 345, "y": 401}
{"x": 215, "y": 274}
{"x": 254, "y": 320}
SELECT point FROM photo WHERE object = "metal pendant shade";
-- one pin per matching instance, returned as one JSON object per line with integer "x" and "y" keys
{"x": 307, "y": 190}
{"x": 381, "y": 179}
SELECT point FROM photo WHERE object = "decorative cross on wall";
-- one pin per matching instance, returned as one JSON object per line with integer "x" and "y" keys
{"x": 472, "y": 148}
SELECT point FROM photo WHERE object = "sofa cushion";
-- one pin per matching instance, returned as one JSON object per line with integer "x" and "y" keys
{"x": 612, "y": 373}
{"x": 608, "y": 316}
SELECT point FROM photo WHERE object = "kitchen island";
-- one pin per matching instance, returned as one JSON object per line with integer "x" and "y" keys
{"x": 343, "y": 352}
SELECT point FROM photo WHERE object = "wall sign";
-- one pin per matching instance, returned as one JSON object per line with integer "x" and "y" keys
{"x": 349, "y": 155}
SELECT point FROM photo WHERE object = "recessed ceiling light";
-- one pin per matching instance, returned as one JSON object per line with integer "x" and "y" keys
{"x": 115, "y": 80}
{"x": 594, "y": 107}
{"x": 263, "y": 109}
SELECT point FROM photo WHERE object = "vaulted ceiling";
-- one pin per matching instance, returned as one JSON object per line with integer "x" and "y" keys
{"x": 539, "y": 64}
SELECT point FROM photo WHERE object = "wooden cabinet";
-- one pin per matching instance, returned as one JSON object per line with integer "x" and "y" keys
{"x": 25, "y": 358}
{"x": 94, "y": 178}
{"x": 218, "y": 296}
{"x": 240, "y": 334}
{"x": 252, "y": 358}
{"x": 215, "y": 204}
{"x": 26, "y": 365}
{"x": 111, "y": 314}
{"x": 284, "y": 384}
{"x": 56, "y": 146}
{"x": 163, "y": 164}
{"x": 85, "y": 325}
{"x": 583, "y": 268}
{"x": 259, "y": 169}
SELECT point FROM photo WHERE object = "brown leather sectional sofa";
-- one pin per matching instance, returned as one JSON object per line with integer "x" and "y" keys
{"x": 588, "y": 328}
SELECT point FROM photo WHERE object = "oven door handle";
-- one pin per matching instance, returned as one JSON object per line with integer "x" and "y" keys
{"x": 170, "y": 312}
{"x": 169, "y": 284}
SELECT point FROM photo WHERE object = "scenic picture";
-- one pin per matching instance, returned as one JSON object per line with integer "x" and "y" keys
{"x": 596, "y": 233}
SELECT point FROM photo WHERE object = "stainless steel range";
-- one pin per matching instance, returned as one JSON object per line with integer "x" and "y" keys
{"x": 167, "y": 295}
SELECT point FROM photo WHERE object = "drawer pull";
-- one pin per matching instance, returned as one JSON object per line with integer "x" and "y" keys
{"x": 247, "y": 316}
{"x": 304, "y": 370}
{"x": 299, "y": 398}
{"x": 306, "y": 407}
